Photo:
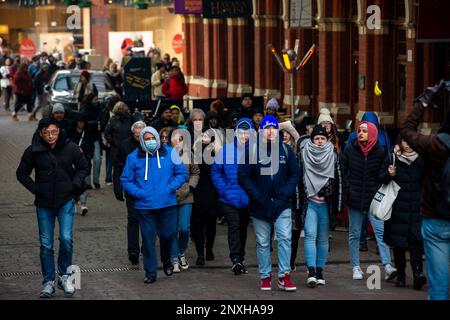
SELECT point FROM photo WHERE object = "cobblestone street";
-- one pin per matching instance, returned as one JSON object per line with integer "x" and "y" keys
{"x": 100, "y": 251}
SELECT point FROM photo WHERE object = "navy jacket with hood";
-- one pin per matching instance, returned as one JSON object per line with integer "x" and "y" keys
{"x": 224, "y": 171}
{"x": 269, "y": 195}
{"x": 383, "y": 138}
{"x": 152, "y": 178}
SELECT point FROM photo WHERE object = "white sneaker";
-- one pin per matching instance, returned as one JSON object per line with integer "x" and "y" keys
{"x": 65, "y": 285}
{"x": 84, "y": 210}
{"x": 183, "y": 262}
{"x": 176, "y": 266}
{"x": 389, "y": 272}
{"x": 358, "y": 274}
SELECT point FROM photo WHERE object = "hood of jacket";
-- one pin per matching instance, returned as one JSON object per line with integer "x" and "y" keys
{"x": 371, "y": 117}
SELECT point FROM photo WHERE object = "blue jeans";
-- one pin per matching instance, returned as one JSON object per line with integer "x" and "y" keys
{"x": 181, "y": 239}
{"x": 283, "y": 230}
{"x": 161, "y": 222}
{"x": 97, "y": 162}
{"x": 356, "y": 220}
{"x": 317, "y": 226}
{"x": 46, "y": 222}
{"x": 436, "y": 241}
{"x": 109, "y": 165}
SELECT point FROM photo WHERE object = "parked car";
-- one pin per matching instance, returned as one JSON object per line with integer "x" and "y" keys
{"x": 63, "y": 82}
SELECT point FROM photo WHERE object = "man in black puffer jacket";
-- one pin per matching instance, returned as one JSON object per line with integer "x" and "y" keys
{"x": 60, "y": 169}
{"x": 361, "y": 163}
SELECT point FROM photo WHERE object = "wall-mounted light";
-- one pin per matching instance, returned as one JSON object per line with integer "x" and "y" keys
{"x": 37, "y": 23}
{"x": 53, "y": 23}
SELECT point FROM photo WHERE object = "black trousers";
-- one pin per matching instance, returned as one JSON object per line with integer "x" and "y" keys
{"x": 238, "y": 220}
{"x": 203, "y": 232}
{"x": 294, "y": 245}
{"x": 21, "y": 100}
{"x": 132, "y": 227}
{"x": 415, "y": 251}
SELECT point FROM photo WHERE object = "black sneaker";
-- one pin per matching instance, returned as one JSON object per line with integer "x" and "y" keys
{"x": 419, "y": 281}
{"x": 97, "y": 185}
{"x": 168, "y": 269}
{"x": 244, "y": 268}
{"x": 134, "y": 259}
{"x": 401, "y": 281}
{"x": 149, "y": 279}
{"x": 311, "y": 282}
{"x": 200, "y": 261}
{"x": 209, "y": 255}
{"x": 319, "y": 277}
{"x": 237, "y": 268}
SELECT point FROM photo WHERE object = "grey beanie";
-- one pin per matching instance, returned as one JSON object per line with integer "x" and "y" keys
{"x": 58, "y": 107}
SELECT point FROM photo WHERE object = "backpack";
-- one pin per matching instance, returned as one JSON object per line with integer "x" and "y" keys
{"x": 443, "y": 185}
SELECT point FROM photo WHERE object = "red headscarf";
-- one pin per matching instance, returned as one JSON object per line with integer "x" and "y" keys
{"x": 372, "y": 137}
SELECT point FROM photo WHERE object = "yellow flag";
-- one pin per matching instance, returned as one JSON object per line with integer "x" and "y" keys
{"x": 377, "y": 89}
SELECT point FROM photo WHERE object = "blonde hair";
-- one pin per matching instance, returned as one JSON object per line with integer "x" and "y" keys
{"x": 118, "y": 105}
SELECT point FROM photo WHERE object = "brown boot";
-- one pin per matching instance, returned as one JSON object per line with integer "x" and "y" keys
{"x": 14, "y": 117}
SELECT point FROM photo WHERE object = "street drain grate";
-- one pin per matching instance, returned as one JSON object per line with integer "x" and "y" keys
{"x": 92, "y": 270}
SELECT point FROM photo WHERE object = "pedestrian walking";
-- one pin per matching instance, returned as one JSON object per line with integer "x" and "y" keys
{"x": 361, "y": 164}
{"x": 233, "y": 199}
{"x": 151, "y": 177}
{"x": 270, "y": 192}
{"x": 185, "y": 199}
{"x": 23, "y": 89}
{"x": 40, "y": 80}
{"x": 435, "y": 150}
{"x": 60, "y": 169}
{"x": 205, "y": 209}
{"x": 6, "y": 72}
{"x": 320, "y": 184}
{"x": 125, "y": 148}
{"x": 403, "y": 230}
{"x": 175, "y": 87}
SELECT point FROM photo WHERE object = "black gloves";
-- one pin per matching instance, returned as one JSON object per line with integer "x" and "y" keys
{"x": 428, "y": 97}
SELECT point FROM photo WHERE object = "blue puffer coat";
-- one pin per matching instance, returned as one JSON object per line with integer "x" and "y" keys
{"x": 152, "y": 179}
{"x": 224, "y": 171}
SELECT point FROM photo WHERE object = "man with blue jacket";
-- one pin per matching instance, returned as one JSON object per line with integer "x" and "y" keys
{"x": 151, "y": 176}
{"x": 269, "y": 177}
{"x": 234, "y": 201}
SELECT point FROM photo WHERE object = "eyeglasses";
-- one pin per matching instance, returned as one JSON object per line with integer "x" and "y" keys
{"x": 50, "y": 133}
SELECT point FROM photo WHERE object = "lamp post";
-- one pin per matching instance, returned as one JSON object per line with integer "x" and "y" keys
{"x": 289, "y": 65}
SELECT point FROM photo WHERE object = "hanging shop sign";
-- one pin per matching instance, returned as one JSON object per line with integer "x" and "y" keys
{"x": 188, "y": 6}
{"x": 220, "y": 9}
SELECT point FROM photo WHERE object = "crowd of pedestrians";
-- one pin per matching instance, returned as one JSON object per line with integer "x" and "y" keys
{"x": 180, "y": 171}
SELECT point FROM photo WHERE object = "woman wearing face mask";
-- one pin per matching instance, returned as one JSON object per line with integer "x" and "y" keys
{"x": 361, "y": 163}
{"x": 152, "y": 174}
{"x": 320, "y": 163}
{"x": 185, "y": 199}
{"x": 403, "y": 230}
{"x": 205, "y": 208}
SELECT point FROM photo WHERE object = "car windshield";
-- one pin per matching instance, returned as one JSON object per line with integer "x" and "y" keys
{"x": 68, "y": 82}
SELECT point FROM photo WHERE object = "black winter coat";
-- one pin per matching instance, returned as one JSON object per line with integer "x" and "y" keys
{"x": 406, "y": 216}
{"x": 125, "y": 148}
{"x": 59, "y": 172}
{"x": 360, "y": 175}
{"x": 118, "y": 129}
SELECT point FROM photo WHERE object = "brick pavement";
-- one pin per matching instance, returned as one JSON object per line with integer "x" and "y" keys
{"x": 100, "y": 242}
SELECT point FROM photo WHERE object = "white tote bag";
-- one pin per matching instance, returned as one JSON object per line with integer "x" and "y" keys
{"x": 381, "y": 205}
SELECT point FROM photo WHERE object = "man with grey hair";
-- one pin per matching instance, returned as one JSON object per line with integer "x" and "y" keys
{"x": 124, "y": 149}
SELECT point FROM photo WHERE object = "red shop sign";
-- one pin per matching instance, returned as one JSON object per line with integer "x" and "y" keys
{"x": 27, "y": 48}
{"x": 177, "y": 43}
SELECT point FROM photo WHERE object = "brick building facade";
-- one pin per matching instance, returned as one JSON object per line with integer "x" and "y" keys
{"x": 229, "y": 57}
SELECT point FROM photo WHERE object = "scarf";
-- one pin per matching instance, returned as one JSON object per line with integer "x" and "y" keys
{"x": 406, "y": 157}
{"x": 318, "y": 166}
{"x": 372, "y": 137}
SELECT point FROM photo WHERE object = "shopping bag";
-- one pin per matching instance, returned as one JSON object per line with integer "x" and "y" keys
{"x": 382, "y": 202}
